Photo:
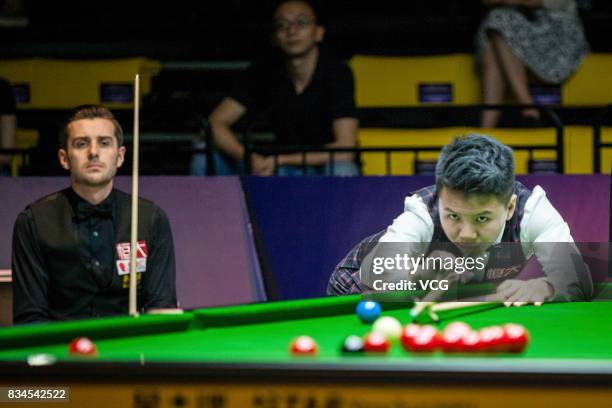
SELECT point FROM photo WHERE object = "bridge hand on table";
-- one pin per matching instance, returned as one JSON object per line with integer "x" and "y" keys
{"x": 515, "y": 292}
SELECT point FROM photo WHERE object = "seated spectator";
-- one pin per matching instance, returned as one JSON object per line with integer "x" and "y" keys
{"x": 517, "y": 38}
{"x": 306, "y": 96}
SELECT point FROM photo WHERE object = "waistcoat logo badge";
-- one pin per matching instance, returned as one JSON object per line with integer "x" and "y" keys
{"x": 124, "y": 252}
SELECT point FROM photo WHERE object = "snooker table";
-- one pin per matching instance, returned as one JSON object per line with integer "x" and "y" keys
{"x": 237, "y": 356}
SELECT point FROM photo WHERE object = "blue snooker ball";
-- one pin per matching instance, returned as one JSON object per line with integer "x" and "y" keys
{"x": 368, "y": 310}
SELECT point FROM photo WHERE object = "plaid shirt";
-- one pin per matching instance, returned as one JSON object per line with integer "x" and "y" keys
{"x": 345, "y": 279}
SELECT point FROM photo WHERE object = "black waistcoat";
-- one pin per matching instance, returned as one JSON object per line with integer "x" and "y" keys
{"x": 505, "y": 259}
{"x": 75, "y": 289}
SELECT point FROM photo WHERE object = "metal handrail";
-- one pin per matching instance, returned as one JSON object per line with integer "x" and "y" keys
{"x": 547, "y": 112}
{"x": 276, "y": 150}
{"x": 597, "y": 143}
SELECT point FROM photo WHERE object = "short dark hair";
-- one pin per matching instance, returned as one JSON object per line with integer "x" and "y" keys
{"x": 90, "y": 112}
{"x": 477, "y": 164}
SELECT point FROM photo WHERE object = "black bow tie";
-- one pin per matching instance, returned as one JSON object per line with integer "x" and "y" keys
{"x": 84, "y": 210}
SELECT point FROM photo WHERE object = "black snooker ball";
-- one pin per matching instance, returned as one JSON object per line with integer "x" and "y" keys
{"x": 352, "y": 344}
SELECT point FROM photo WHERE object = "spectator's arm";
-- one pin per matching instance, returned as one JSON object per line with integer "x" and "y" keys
{"x": 228, "y": 112}
{"x": 345, "y": 135}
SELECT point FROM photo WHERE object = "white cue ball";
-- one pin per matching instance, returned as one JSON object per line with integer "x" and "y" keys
{"x": 388, "y": 326}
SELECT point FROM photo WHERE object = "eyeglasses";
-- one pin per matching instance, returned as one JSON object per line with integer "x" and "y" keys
{"x": 300, "y": 23}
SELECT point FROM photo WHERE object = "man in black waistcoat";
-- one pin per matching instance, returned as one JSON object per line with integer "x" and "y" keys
{"x": 71, "y": 249}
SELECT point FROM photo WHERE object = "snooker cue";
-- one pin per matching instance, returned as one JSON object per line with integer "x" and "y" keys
{"x": 445, "y": 306}
{"x": 419, "y": 307}
{"x": 433, "y": 308}
{"x": 430, "y": 299}
{"x": 134, "y": 224}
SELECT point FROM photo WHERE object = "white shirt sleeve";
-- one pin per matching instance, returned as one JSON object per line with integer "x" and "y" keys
{"x": 546, "y": 234}
{"x": 410, "y": 234}
{"x": 413, "y": 225}
{"x": 542, "y": 222}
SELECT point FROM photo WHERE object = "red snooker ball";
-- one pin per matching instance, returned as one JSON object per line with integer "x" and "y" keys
{"x": 376, "y": 342}
{"x": 458, "y": 327}
{"x": 450, "y": 341}
{"x": 303, "y": 345}
{"x": 452, "y": 336}
{"x": 492, "y": 339}
{"x": 516, "y": 337}
{"x": 82, "y": 346}
{"x": 470, "y": 342}
{"x": 425, "y": 341}
{"x": 408, "y": 333}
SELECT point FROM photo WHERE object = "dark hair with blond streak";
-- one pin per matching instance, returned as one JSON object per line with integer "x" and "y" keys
{"x": 90, "y": 112}
{"x": 477, "y": 164}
